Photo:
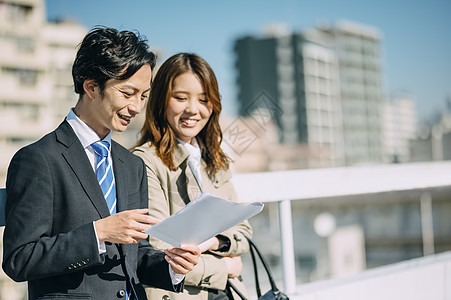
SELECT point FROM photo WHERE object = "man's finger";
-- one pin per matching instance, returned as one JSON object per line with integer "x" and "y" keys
{"x": 145, "y": 219}
{"x": 141, "y": 211}
{"x": 140, "y": 227}
{"x": 183, "y": 257}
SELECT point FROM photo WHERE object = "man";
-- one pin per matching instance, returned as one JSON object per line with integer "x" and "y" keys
{"x": 77, "y": 201}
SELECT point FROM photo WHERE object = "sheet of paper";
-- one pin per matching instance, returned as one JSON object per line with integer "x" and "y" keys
{"x": 202, "y": 219}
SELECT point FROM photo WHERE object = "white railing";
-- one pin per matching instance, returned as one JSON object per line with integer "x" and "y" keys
{"x": 282, "y": 187}
{"x": 416, "y": 279}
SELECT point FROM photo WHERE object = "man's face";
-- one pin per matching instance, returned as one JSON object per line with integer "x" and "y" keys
{"x": 121, "y": 101}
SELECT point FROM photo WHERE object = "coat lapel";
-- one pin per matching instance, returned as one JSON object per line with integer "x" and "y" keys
{"x": 76, "y": 157}
{"x": 194, "y": 189}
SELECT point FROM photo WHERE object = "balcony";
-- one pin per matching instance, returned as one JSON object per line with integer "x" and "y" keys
{"x": 24, "y": 123}
{"x": 27, "y": 53}
{"x": 34, "y": 93}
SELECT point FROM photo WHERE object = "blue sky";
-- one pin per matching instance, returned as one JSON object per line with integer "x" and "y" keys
{"x": 416, "y": 43}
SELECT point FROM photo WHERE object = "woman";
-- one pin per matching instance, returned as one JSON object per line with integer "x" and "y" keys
{"x": 180, "y": 144}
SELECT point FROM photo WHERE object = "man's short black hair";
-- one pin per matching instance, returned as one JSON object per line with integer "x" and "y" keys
{"x": 106, "y": 53}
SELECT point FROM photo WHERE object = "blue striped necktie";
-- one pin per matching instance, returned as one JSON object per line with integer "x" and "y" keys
{"x": 104, "y": 173}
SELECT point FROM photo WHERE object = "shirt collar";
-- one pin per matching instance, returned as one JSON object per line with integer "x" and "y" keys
{"x": 85, "y": 134}
{"x": 193, "y": 149}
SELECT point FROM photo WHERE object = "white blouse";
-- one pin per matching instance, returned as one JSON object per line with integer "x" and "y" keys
{"x": 194, "y": 159}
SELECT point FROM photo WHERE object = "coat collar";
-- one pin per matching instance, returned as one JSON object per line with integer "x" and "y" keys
{"x": 180, "y": 155}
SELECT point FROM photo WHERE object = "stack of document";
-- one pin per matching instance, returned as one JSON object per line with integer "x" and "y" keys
{"x": 202, "y": 219}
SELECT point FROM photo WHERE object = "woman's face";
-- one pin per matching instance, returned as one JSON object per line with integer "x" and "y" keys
{"x": 188, "y": 109}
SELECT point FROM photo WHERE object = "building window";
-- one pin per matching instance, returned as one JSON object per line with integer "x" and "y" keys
{"x": 26, "y": 77}
{"x": 25, "y": 44}
{"x": 18, "y": 12}
{"x": 26, "y": 112}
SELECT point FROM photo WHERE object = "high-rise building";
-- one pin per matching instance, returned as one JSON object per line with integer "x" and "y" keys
{"x": 319, "y": 95}
{"x": 267, "y": 78}
{"x": 358, "y": 48}
{"x": 295, "y": 78}
{"x": 399, "y": 126}
{"x": 35, "y": 74}
{"x": 433, "y": 142}
{"x": 61, "y": 38}
{"x": 24, "y": 88}
{"x": 322, "y": 87}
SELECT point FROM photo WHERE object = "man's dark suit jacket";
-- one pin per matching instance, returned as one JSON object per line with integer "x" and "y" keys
{"x": 53, "y": 197}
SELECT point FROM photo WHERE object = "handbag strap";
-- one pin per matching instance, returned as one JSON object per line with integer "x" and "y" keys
{"x": 254, "y": 265}
{"x": 252, "y": 248}
{"x": 235, "y": 289}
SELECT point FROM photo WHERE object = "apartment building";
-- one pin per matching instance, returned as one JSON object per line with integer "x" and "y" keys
{"x": 294, "y": 78}
{"x": 35, "y": 85}
{"x": 399, "y": 123}
{"x": 324, "y": 89}
{"x": 358, "y": 48}
{"x": 35, "y": 74}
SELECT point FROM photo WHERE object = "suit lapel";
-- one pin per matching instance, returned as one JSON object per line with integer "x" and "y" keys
{"x": 76, "y": 157}
{"x": 119, "y": 177}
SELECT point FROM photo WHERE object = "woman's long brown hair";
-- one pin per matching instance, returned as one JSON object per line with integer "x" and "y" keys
{"x": 156, "y": 129}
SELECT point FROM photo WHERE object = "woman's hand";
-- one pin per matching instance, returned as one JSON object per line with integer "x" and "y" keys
{"x": 234, "y": 266}
{"x": 211, "y": 244}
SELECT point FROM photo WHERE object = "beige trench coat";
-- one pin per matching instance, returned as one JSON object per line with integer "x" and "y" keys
{"x": 170, "y": 191}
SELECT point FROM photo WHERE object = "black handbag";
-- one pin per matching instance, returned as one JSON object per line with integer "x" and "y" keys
{"x": 274, "y": 293}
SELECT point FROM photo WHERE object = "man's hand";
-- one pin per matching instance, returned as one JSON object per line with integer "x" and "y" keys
{"x": 126, "y": 227}
{"x": 234, "y": 266}
{"x": 183, "y": 259}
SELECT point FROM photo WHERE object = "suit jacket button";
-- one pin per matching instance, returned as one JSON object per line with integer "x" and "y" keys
{"x": 121, "y": 293}
{"x": 165, "y": 297}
